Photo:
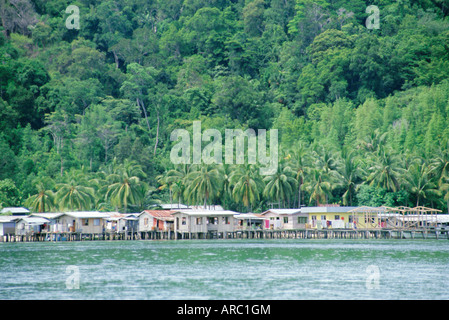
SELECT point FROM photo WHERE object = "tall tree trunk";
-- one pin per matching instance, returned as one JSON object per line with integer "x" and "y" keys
{"x": 142, "y": 105}
{"x": 117, "y": 62}
{"x": 157, "y": 132}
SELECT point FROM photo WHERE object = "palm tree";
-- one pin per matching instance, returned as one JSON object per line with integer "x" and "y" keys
{"x": 325, "y": 160}
{"x": 297, "y": 161}
{"x": 440, "y": 164}
{"x": 385, "y": 171}
{"x": 73, "y": 196}
{"x": 418, "y": 181}
{"x": 175, "y": 179}
{"x": 374, "y": 142}
{"x": 44, "y": 199}
{"x": 246, "y": 185}
{"x": 280, "y": 186}
{"x": 125, "y": 187}
{"x": 444, "y": 188}
{"x": 203, "y": 184}
{"x": 349, "y": 173}
{"x": 226, "y": 192}
{"x": 318, "y": 186}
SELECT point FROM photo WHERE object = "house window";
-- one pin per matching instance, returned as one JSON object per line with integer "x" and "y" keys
{"x": 96, "y": 222}
{"x": 336, "y": 217}
{"x": 225, "y": 220}
{"x": 85, "y": 222}
{"x": 302, "y": 220}
{"x": 285, "y": 219}
{"x": 212, "y": 220}
{"x": 183, "y": 221}
{"x": 199, "y": 220}
{"x": 323, "y": 217}
{"x": 314, "y": 218}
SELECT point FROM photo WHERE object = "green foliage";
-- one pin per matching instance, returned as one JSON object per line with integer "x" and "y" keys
{"x": 10, "y": 195}
{"x": 86, "y": 115}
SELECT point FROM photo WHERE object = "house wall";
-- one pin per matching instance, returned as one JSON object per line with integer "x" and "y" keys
{"x": 199, "y": 223}
{"x": 275, "y": 220}
{"x": 7, "y": 228}
{"x": 94, "y": 225}
{"x": 336, "y": 219}
{"x": 285, "y": 221}
{"x": 145, "y": 222}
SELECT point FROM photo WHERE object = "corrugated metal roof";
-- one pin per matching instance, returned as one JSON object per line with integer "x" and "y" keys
{"x": 207, "y": 212}
{"x": 34, "y": 220}
{"x": 6, "y": 219}
{"x": 249, "y": 216}
{"x": 165, "y": 215}
{"x": 15, "y": 210}
{"x": 47, "y": 215}
{"x": 283, "y": 211}
{"x": 326, "y": 209}
{"x": 87, "y": 214}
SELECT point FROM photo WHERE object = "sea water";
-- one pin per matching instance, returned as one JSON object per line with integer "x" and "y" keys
{"x": 226, "y": 269}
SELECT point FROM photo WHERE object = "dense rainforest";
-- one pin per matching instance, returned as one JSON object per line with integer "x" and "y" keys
{"x": 86, "y": 112}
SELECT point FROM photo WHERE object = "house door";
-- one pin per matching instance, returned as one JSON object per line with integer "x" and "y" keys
{"x": 74, "y": 225}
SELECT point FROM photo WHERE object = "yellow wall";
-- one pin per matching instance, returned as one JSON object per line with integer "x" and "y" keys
{"x": 359, "y": 218}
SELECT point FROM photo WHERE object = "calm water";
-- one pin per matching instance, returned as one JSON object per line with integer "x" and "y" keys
{"x": 226, "y": 269}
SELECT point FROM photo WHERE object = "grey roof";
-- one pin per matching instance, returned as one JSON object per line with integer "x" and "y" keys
{"x": 15, "y": 210}
{"x": 34, "y": 220}
{"x": 283, "y": 211}
{"x": 6, "y": 219}
{"x": 47, "y": 215}
{"x": 248, "y": 216}
{"x": 330, "y": 209}
{"x": 210, "y": 213}
{"x": 87, "y": 214}
{"x": 172, "y": 206}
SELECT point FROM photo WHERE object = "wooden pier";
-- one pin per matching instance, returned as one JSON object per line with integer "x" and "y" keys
{"x": 239, "y": 234}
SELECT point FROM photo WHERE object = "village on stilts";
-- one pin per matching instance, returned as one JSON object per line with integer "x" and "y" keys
{"x": 176, "y": 222}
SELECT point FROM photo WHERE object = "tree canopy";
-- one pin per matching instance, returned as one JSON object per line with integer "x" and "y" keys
{"x": 86, "y": 114}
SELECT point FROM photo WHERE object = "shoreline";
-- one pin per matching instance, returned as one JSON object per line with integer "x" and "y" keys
{"x": 442, "y": 234}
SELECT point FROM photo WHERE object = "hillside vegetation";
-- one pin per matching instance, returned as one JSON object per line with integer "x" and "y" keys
{"x": 86, "y": 114}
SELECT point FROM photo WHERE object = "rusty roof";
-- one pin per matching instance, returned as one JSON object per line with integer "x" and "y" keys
{"x": 164, "y": 215}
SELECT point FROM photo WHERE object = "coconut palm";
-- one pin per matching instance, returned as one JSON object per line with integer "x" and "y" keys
{"x": 72, "y": 195}
{"x": 226, "y": 191}
{"x": 419, "y": 182}
{"x": 125, "y": 187}
{"x": 325, "y": 159}
{"x": 281, "y": 185}
{"x": 444, "y": 189}
{"x": 440, "y": 164}
{"x": 318, "y": 186}
{"x": 44, "y": 199}
{"x": 247, "y": 185}
{"x": 385, "y": 171}
{"x": 175, "y": 179}
{"x": 349, "y": 174}
{"x": 203, "y": 184}
{"x": 297, "y": 161}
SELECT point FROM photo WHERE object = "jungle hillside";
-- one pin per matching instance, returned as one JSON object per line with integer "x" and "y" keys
{"x": 86, "y": 113}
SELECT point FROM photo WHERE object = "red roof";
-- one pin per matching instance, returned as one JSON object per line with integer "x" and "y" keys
{"x": 161, "y": 214}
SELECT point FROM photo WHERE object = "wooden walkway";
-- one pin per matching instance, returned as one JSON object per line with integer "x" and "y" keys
{"x": 241, "y": 234}
{"x": 320, "y": 234}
